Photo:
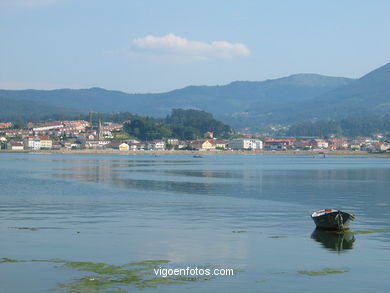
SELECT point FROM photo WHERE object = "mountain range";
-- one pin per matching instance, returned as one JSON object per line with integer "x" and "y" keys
{"x": 241, "y": 103}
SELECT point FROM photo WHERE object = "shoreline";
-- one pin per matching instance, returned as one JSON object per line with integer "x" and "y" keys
{"x": 209, "y": 152}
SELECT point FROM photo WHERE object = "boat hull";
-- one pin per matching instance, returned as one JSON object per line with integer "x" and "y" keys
{"x": 335, "y": 220}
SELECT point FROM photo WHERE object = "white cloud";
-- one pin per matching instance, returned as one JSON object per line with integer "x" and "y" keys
{"x": 177, "y": 48}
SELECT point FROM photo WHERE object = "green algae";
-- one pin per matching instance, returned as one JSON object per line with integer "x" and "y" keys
{"x": 106, "y": 278}
{"x": 138, "y": 274}
{"x": 382, "y": 204}
{"x": 371, "y": 231}
{"x": 324, "y": 272}
{"x": 7, "y": 260}
{"x": 239, "y": 231}
{"x": 25, "y": 228}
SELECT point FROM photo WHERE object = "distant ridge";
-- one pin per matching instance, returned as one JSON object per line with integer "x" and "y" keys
{"x": 21, "y": 110}
{"x": 240, "y": 103}
{"x": 223, "y": 101}
{"x": 368, "y": 95}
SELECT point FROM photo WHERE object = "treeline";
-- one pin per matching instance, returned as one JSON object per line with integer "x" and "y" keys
{"x": 181, "y": 124}
{"x": 348, "y": 127}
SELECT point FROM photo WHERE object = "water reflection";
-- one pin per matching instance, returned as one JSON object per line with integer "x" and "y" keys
{"x": 333, "y": 240}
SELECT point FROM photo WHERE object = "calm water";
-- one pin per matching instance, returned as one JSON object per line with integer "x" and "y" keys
{"x": 120, "y": 209}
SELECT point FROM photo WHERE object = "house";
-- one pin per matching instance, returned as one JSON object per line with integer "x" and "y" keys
{"x": 124, "y": 147}
{"x": 44, "y": 128}
{"x": 77, "y": 124}
{"x": 303, "y": 144}
{"x": 56, "y": 145}
{"x": 278, "y": 144}
{"x": 220, "y": 144}
{"x": 5, "y": 125}
{"x": 118, "y": 145}
{"x": 17, "y": 132}
{"x": 204, "y": 144}
{"x": 136, "y": 146}
{"x": 96, "y": 144}
{"x": 73, "y": 144}
{"x": 319, "y": 143}
{"x": 105, "y": 133}
{"x": 355, "y": 145}
{"x": 110, "y": 127}
{"x": 173, "y": 141}
{"x": 181, "y": 145}
{"x": 155, "y": 145}
{"x": 384, "y": 146}
{"x": 46, "y": 142}
{"x": 16, "y": 146}
{"x": 337, "y": 144}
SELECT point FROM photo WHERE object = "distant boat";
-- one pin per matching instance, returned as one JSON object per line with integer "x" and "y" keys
{"x": 198, "y": 156}
{"x": 331, "y": 219}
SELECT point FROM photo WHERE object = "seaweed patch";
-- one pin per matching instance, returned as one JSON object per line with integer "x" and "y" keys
{"x": 324, "y": 272}
{"x": 371, "y": 231}
{"x": 104, "y": 278}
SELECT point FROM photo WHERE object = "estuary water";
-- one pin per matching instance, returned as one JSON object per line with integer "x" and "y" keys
{"x": 62, "y": 214}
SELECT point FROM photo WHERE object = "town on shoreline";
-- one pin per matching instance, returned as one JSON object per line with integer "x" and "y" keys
{"x": 80, "y": 136}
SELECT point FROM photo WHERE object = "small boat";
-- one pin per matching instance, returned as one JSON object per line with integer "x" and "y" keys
{"x": 332, "y": 219}
{"x": 198, "y": 156}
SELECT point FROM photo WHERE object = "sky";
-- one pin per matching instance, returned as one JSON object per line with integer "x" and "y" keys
{"x": 140, "y": 46}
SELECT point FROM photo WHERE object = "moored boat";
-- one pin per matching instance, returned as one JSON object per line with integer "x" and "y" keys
{"x": 332, "y": 219}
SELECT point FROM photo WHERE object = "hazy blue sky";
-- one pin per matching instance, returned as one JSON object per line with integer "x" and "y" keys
{"x": 153, "y": 46}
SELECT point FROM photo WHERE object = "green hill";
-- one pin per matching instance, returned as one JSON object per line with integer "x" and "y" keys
{"x": 242, "y": 103}
{"x": 27, "y": 110}
{"x": 226, "y": 102}
{"x": 369, "y": 95}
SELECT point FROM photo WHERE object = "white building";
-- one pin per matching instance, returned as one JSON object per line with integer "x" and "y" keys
{"x": 156, "y": 145}
{"x": 32, "y": 143}
{"x": 45, "y": 127}
{"x": 245, "y": 144}
{"x": 257, "y": 144}
{"x": 321, "y": 144}
{"x": 96, "y": 144}
{"x": 16, "y": 146}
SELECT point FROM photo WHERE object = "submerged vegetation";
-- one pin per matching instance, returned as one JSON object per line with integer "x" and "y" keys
{"x": 25, "y": 228}
{"x": 239, "y": 231}
{"x": 323, "y": 272}
{"x": 368, "y": 231}
{"x": 104, "y": 277}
